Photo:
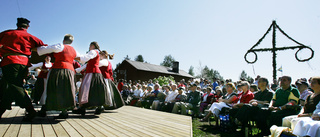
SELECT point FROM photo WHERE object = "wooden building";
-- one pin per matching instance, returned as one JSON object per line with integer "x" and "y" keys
{"x": 134, "y": 70}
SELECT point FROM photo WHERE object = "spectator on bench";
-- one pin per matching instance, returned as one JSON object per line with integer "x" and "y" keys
{"x": 309, "y": 107}
{"x": 261, "y": 100}
{"x": 206, "y": 100}
{"x": 170, "y": 99}
{"x": 225, "y": 101}
{"x": 193, "y": 101}
{"x": 302, "y": 86}
{"x": 283, "y": 98}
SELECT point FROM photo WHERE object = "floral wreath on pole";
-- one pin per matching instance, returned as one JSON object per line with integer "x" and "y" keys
{"x": 274, "y": 49}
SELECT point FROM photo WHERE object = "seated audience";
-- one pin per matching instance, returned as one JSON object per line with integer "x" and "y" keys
{"x": 309, "y": 107}
{"x": 282, "y": 105}
{"x": 152, "y": 96}
{"x": 156, "y": 105}
{"x": 146, "y": 97}
{"x": 225, "y": 101}
{"x": 303, "y": 88}
{"x": 254, "y": 88}
{"x": 206, "y": 100}
{"x": 261, "y": 100}
{"x": 181, "y": 97}
{"x": 193, "y": 101}
{"x": 126, "y": 94}
{"x": 136, "y": 94}
{"x": 144, "y": 91}
{"x": 170, "y": 99}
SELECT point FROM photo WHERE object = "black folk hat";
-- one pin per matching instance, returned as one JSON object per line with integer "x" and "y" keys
{"x": 23, "y": 21}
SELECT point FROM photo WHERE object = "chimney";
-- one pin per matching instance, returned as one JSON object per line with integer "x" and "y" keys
{"x": 175, "y": 67}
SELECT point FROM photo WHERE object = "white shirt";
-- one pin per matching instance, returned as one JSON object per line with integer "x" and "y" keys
{"x": 78, "y": 84}
{"x": 103, "y": 62}
{"x": 48, "y": 65}
{"x": 136, "y": 93}
{"x": 172, "y": 96}
{"x": 316, "y": 112}
{"x": 142, "y": 93}
{"x": 205, "y": 98}
{"x": 56, "y": 48}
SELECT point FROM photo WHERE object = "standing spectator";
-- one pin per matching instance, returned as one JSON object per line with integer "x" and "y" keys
{"x": 215, "y": 83}
{"x": 150, "y": 83}
{"x": 32, "y": 81}
{"x": 78, "y": 84}
{"x": 15, "y": 47}
{"x": 181, "y": 84}
{"x": 120, "y": 84}
{"x": 41, "y": 83}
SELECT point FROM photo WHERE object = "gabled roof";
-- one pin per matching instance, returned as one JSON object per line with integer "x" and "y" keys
{"x": 156, "y": 68}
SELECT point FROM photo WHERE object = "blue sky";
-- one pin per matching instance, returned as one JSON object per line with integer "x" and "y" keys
{"x": 208, "y": 32}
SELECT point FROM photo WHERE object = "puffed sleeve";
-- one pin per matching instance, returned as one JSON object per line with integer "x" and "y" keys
{"x": 90, "y": 55}
{"x": 103, "y": 62}
{"x": 50, "y": 49}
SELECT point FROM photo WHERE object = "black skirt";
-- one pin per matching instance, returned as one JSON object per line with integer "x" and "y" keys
{"x": 113, "y": 95}
{"x": 38, "y": 90}
{"x": 60, "y": 90}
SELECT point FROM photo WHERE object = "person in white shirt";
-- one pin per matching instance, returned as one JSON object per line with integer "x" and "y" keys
{"x": 136, "y": 94}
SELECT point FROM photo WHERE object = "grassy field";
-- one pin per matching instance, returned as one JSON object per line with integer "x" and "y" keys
{"x": 203, "y": 129}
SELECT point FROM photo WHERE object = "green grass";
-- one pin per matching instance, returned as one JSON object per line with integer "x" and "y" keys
{"x": 203, "y": 129}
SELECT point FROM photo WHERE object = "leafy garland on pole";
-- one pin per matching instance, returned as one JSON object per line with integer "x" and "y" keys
{"x": 274, "y": 49}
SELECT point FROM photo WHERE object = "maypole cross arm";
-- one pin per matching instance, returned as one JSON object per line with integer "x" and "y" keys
{"x": 274, "y": 49}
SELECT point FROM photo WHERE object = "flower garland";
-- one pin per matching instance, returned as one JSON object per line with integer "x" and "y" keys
{"x": 274, "y": 49}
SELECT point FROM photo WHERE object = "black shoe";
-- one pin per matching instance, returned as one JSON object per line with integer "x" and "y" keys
{"x": 62, "y": 116}
{"x": 30, "y": 116}
{"x": 98, "y": 111}
{"x": 41, "y": 113}
{"x": 79, "y": 111}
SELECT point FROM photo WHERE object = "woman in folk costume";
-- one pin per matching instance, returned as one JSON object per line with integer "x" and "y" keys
{"x": 39, "y": 93}
{"x": 93, "y": 87}
{"x": 113, "y": 94}
{"x": 60, "y": 84}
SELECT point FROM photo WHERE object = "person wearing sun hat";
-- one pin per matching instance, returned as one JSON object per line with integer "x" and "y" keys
{"x": 303, "y": 88}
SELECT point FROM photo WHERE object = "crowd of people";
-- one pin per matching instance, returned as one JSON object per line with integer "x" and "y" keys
{"x": 55, "y": 88}
{"x": 281, "y": 103}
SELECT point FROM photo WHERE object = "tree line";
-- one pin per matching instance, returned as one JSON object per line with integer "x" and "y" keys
{"x": 204, "y": 71}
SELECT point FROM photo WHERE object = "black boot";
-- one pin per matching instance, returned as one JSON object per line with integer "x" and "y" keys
{"x": 31, "y": 113}
{"x": 1, "y": 112}
{"x": 42, "y": 112}
{"x": 98, "y": 111}
{"x": 81, "y": 111}
{"x": 62, "y": 115}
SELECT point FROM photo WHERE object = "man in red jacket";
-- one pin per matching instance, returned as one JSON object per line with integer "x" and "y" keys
{"x": 15, "y": 47}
